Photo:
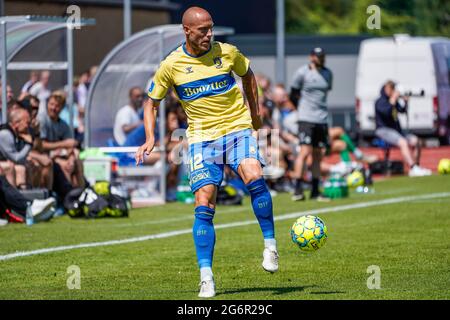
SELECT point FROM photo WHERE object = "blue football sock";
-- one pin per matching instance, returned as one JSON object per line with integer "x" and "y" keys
{"x": 262, "y": 207}
{"x": 204, "y": 235}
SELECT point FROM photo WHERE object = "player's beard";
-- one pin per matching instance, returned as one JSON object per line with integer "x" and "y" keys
{"x": 207, "y": 44}
{"x": 202, "y": 45}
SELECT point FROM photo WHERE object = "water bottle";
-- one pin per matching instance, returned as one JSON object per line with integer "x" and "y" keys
{"x": 365, "y": 189}
{"x": 29, "y": 215}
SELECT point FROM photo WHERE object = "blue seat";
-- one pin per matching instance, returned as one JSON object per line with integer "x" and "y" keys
{"x": 382, "y": 144}
{"x": 111, "y": 142}
{"x": 124, "y": 158}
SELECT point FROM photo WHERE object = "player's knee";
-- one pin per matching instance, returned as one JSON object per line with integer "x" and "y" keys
{"x": 336, "y": 131}
{"x": 252, "y": 176}
{"x": 203, "y": 201}
{"x": 250, "y": 170}
{"x": 19, "y": 169}
{"x": 305, "y": 151}
{"x": 338, "y": 146}
{"x": 7, "y": 167}
{"x": 402, "y": 143}
{"x": 414, "y": 141}
{"x": 205, "y": 196}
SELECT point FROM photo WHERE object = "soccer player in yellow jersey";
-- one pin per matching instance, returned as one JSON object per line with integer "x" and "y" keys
{"x": 219, "y": 132}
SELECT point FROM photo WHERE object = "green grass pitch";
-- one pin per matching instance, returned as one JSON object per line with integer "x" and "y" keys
{"x": 409, "y": 241}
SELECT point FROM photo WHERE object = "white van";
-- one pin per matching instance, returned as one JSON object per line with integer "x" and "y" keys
{"x": 418, "y": 65}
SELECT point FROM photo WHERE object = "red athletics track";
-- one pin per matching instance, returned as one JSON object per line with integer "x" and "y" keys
{"x": 430, "y": 156}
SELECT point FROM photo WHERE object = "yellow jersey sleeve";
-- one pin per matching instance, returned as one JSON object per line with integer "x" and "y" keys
{"x": 240, "y": 62}
{"x": 162, "y": 82}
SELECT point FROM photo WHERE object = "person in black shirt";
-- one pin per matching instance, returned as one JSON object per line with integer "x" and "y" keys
{"x": 387, "y": 108}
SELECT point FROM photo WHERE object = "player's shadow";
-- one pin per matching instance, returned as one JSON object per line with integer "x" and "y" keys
{"x": 274, "y": 290}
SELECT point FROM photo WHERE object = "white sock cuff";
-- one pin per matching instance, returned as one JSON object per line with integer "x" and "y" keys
{"x": 270, "y": 243}
{"x": 206, "y": 273}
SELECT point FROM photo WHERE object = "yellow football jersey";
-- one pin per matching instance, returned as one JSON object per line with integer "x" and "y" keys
{"x": 206, "y": 88}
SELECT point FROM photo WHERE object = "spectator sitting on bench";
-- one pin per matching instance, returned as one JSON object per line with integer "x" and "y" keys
{"x": 57, "y": 139}
{"x": 13, "y": 205}
{"x": 127, "y": 119}
{"x": 41, "y": 90}
{"x": 15, "y": 145}
{"x": 129, "y": 130}
{"x": 387, "y": 107}
{"x": 39, "y": 164}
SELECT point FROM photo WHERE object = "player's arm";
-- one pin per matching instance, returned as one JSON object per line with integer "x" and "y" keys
{"x": 241, "y": 67}
{"x": 63, "y": 144}
{"x": 251, "y": 93}
{"x": 297, "y": 85}
{"x": 162, "y": 81}
{"x": 294, "y": 96}
{"x": 150, "y": 108}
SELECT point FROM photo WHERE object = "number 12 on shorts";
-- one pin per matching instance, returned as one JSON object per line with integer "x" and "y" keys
{"x": 196, "y": 162}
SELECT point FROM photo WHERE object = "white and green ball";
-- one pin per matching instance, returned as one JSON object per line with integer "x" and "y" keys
{"x": 309, "y": 233}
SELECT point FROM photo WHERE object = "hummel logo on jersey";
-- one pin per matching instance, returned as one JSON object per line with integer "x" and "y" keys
{"x": 189, "y": 70}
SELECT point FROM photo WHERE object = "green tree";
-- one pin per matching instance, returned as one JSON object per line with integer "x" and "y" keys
{"x": 416, "y": 17}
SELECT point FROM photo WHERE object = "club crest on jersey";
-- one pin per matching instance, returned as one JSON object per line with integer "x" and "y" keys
{"x": 218, "y": 62}
{"x": 189, "y": 70}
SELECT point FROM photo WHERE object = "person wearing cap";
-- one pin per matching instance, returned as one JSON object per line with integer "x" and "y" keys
{"x": 310, "y": 86}
{"x": 387, "y": 108}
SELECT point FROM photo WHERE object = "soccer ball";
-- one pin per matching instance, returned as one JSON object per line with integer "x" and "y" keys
{"x": 355, "y": 179}
{"x": 309, "y": 233}
{"x": 444, "y": 166}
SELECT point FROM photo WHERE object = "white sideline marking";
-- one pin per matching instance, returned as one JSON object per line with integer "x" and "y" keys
{"x": 178, "y": 218}
{"x": 225, "y": 225}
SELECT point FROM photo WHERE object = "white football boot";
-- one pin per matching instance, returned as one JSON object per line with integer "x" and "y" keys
{"x": 417, "y": 171}
{"x": 207, "y": 288}
{"x": 270, "y": 262}
{"x": 41, "y": 208}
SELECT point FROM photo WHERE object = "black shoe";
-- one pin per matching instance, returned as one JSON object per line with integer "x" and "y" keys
{"x": 320, "y": 197}
{"x": 298, "y": 196}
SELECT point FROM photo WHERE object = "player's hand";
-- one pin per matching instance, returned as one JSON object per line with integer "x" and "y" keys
{"x": 256, "y": 122}
{"x": 35, "y": 125}
{"x": 26, "y": 137}
{"x": 396, "y": 95}
{"x": 146, "y": 148}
